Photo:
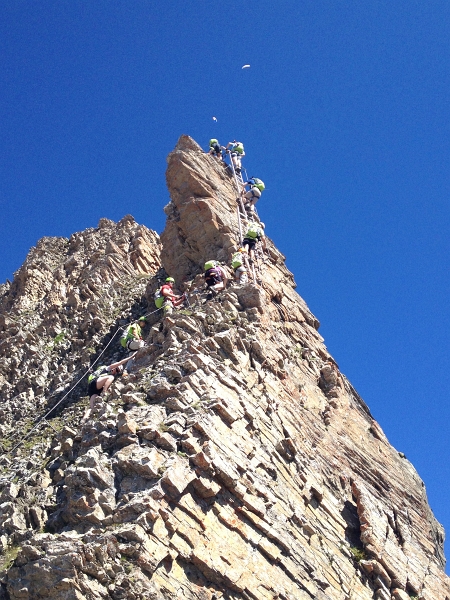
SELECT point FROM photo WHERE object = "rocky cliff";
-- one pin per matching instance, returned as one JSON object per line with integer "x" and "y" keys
{"x": 236, "y": 461}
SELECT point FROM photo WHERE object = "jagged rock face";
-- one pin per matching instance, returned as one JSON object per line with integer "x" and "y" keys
{"x": 202, "y": 220}
{"x": 233, "y": 464}
{"x": 70, "y": 289}
{"x": 63, "y": 302}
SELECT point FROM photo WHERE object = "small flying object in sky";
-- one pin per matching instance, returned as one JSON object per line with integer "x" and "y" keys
{"x": 246, "y": 66}
{"x": 214, "y": 118}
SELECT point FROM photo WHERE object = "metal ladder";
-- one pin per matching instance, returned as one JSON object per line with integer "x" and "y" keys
{"x": 255, "y": 266}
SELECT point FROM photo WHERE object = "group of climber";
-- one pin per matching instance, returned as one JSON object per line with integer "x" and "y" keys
{"x": 215, "y": 275}
{"x": 216, "y": 278}
{"x": 250, "y": 192}
{"x": 254, "y": 187}
{"x": 235, "y": 149}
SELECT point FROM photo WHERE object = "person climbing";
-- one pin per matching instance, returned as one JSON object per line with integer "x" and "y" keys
{"x": 236, "y": 150}
{"x": 215, "y": 149}
{"x": 132, "y": 336}
{"x": 215, "y": 278}
{"x": 100, "y": 380}
{"x": 166, "y": 299}
{"x": 132, "y": 340}
{"x": 255, "y": 233}
{"x": 251, "y": 197}
{"x": 238, "y": 264}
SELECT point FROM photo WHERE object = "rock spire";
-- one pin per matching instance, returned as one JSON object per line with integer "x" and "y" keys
{"x": 235, "y": 462}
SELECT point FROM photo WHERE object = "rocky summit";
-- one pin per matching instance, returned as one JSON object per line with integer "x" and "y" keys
{"x": 234, "y": 461}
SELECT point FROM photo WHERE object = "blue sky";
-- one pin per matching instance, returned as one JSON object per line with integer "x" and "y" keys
{"x": 344, "y": 114}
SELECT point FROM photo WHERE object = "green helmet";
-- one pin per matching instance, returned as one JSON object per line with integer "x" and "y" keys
{"x": 210, "y": 264}
{"x": 142, "y": 319}
{"x": 213, "y": 142}
{"x": 170, "y": 280}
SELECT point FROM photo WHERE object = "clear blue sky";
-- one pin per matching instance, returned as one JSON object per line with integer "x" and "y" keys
{"x": 344, "y": 114}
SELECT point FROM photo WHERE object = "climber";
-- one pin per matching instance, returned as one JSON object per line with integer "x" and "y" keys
{"x": 132, "y": 340}
{"x": 238, "y": 264}
{"x": 215, "y": 277}
{"x": 100, "y": 380}
{"x": 236, "y": 150}
{"x": 255, "y": 233}
{"x": 132, "y": 336}
{"x": 166, "y": 299}
{"x": 215, "y": 149}
{"x": 252, "y": 196}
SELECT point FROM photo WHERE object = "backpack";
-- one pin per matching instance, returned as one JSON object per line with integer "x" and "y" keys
{"x": 128, "y": 335}
{"x": 213, "y": 143}
{"x": 253, "y": 232}
{"x": 124, "y": 337}
{"x": 238, "y": 147}
{"x": 213, "y": 276}
{"x": 159, "y": 299}
{"x": 210, "y": 264}
{"x": 258, "y": 183}
{"x": 237, "y": 260}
